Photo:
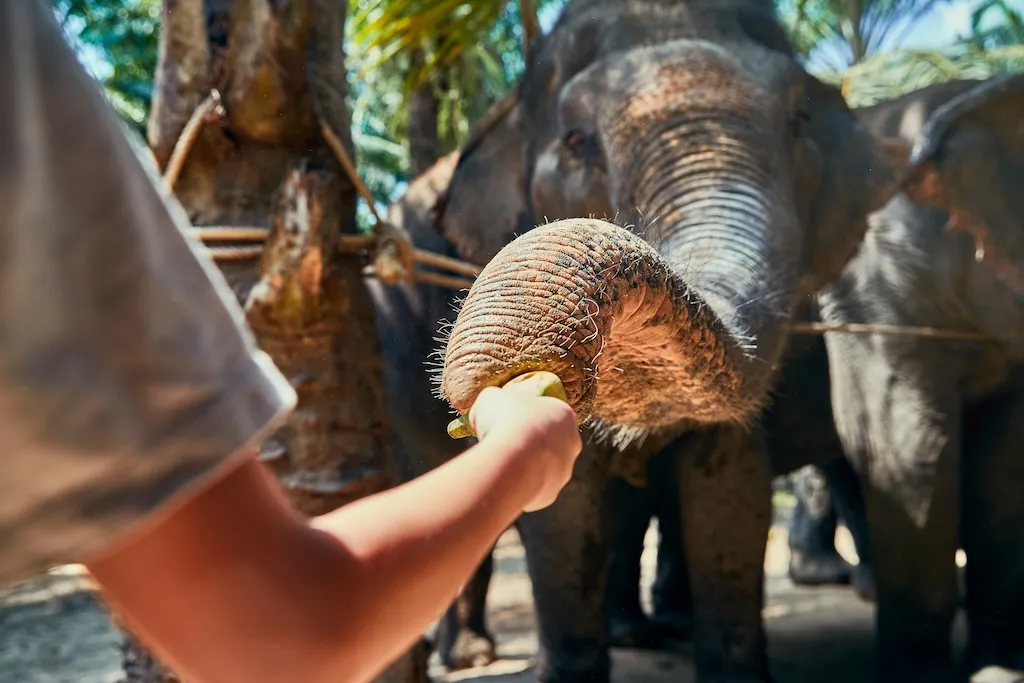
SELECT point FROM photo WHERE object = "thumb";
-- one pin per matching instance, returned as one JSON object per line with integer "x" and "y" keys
{"x": 485, "y": 408}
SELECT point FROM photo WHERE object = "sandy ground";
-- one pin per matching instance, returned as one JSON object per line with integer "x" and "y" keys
{"x": 820, "y": 634}
{"x": 53, "y": 630}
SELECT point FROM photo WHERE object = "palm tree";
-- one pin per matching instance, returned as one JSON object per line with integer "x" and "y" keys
{"x": 891, "y": 74}
{"x": 1007, "y": 30}
{"x": 846, "y": 39}
{"x": 841, "y": 33}
{"x": 422, "y": 85}
{"x": 118, "y": 42}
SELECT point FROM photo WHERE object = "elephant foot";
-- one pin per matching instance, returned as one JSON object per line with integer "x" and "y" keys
{"x": 921, "y": 670}
{"x": 633, "y": 632}
{"x": 578, "y": 661}
{"x": 674, "y": 628}
{"x": 863, "y": 581}
{"x": 666, "y": 632}
{"x": 571, "y": 675}
{"x": 819, "y": 570}
{"x": 469, "y": 650}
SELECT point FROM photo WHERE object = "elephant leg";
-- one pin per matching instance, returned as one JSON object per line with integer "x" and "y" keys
{"x": 848, "y": 498}
{"x": 463, "y": 638}
{"x": 813, "y": 559}
{"x": 899, "y": 416}
{"x": 567, "y": 556}
{"x": 671, "y": 596}
{"x": 725, "y": 493}
{"x": 631, "y": 510}
{"x": 993, "y": 532}
{"x": 915, "y": 573}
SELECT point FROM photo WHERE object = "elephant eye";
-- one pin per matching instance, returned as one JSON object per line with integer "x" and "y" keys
{"x": 800, "y": 120}
{"x": 575, "y": 141}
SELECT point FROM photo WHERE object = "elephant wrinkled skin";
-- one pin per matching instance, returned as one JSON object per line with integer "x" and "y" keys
{"x": 408, "y": 318}
{"x": 933, "y": 426}
{"x": 748, "y": 182}
{"x": 564, "y": 547}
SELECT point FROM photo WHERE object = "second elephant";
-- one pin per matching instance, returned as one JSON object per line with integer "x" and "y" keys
{"x": 933, "y": 425}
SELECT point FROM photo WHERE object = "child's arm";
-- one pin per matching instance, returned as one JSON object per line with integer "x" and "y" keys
{"x": 234, "y": 587}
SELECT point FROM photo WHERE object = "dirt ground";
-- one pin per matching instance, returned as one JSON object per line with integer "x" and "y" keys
{"x": 53, "y": 630}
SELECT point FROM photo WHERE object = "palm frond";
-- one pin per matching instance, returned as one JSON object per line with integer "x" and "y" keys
{"x": 891, "y": 74}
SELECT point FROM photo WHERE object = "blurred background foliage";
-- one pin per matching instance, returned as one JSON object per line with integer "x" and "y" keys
{"x": 422, "y": 72}
{"x": 118, "y": 42}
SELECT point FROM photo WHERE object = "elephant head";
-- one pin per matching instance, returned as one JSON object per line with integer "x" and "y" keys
{"x": 746, "y": 181}
{"x": 969, "y": 161}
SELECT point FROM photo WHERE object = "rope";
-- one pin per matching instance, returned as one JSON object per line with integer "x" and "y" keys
{"x": 393, "y": 254}
{"x": 892, "y": 331}
{"x": 394, "y": 257}
{"x": 210, "y": 109}
{"x": 349, "y": 244}
{"x": 235, "y": 253}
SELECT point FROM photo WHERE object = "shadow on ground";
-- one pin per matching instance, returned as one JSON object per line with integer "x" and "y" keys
{"x": 814, "y": 634}
{"x": 53, "y": 630}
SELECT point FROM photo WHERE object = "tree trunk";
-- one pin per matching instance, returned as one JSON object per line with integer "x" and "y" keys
{"x": 278, "y": 66}
{"x": 531, "y": 27}
{"x": 424, "y": 139}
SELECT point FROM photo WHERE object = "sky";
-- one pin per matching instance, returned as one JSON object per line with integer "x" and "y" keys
{"x": 946, "y": 22}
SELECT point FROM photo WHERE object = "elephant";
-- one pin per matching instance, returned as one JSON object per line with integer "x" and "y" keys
{"x": 408, "y": 317}
{"x": 868, "y": 281}
{"x": 800, "y": 437}
{"x": 825, "y": 495}
{"x": 746, "y": 184}
{"x": 930, "y": 424}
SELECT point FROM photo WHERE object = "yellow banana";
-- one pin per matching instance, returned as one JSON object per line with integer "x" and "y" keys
{"x": 540, "y": 382}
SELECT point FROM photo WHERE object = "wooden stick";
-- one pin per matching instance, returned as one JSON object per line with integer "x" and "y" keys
{"x": 229, "y": 233}
{"x": 439, "y": 280}
{"x": 346, "y": 163}
{"x": 428, "y": 278}
{"x": 206, "y": 109}
{"x": 891, "y": 330}
{"x": 235, "y": 253}
{"x": 429, "y": 258}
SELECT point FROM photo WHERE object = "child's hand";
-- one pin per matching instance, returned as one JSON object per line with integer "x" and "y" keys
{"x": 539, "y": 429}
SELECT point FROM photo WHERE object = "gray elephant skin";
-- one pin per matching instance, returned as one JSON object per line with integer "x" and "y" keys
{"x": 801, "y": 417}
{"x": 751, "y": 182}
{"x": 801, "y": 438}
{"x": 566, "y": 547}
{"x": 408, "y": 318}
{"x": 799, "y": 431}
{"x": 933, "y": 426}
{"x": 748, "y": 183}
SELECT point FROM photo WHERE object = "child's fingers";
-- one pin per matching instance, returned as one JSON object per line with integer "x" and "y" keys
{"x": 539, "y": 383}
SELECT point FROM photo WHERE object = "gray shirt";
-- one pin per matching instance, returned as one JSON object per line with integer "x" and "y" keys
{"x": 126, "y": 371}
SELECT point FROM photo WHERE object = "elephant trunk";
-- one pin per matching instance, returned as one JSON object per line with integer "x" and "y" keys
{"x": 594, "y": 304}
{"x": 647, "y": 337}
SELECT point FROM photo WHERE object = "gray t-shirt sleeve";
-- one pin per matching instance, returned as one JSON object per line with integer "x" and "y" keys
{"x": 126, "y": 370}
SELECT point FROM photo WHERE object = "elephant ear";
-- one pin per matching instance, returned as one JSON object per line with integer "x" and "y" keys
{"x": 969, "y": 161}
{"x": 485, "y": 207}
{"x": 416, "y": 211}
{"x": 856, "y": 174}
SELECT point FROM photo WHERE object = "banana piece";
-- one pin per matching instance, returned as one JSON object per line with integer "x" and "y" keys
{"x": 540, "y": 382}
